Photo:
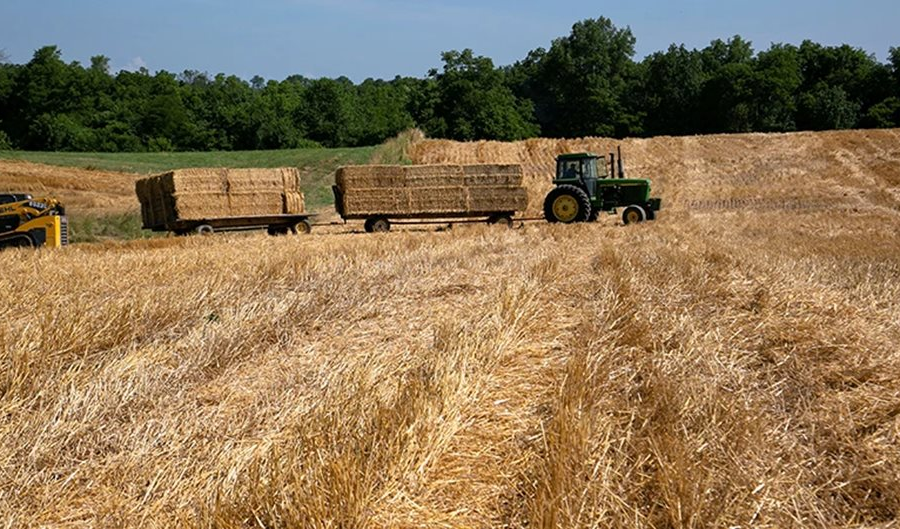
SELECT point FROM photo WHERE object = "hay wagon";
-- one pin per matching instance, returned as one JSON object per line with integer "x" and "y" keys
{"x": 383, "y": 195}
{"x": 208, "y": 200}
{"x": 273, "y": 224}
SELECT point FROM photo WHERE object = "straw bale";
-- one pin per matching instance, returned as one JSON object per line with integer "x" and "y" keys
{"x": 140, "y": 188}
{"x": 438, "y": 200}
{"x": 290, "y": 178}
{"x": 198, "y": 206}
{"x": 497, "y": 198}
{"x": 264, "y": 180}
{"x": 194, "y": 181}
{"x": 201, "y": 193}
{"x": 255, "y": 203}
{"x": 429, "y": 176}
{"x": 433, "y": 171}
{"x": 369, "y": 176}
{"x": 492, "y": 168}
{"x": 426, "y": 176}
{"x": 294, "y": 202}
{"x": 162, "y": 204}
{"x": 376, "y": 201}
{"x": 431, "y": 189}
{"x": 493, "y": 175}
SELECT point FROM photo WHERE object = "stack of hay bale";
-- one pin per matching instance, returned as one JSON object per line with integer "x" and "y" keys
{"x": 202, "y": 194}
{"x": 429, "y": 190}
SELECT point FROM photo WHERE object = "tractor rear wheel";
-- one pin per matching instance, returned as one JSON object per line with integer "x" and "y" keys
{"x": 634, "y": 215}
{"x": 567, "y": 204}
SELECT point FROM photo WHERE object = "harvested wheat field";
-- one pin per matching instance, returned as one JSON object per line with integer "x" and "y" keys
{"x": 81, "y": 190}
{"x": 734, "y": 364}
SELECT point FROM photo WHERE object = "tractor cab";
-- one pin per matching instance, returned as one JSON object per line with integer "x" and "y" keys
{"x": 588, "y": 183}
{"x": 580, "y": 169}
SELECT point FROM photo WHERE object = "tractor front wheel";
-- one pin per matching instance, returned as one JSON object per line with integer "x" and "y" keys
{"x": 567, "y": 204}
{"x": 634, "y": 215}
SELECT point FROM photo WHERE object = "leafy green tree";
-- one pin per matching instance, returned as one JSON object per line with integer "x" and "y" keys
{"x": 328, "y": 112}
{"x": 473, "y": 102}
{"x": 62, "y": 132}
{"x": 726, "y": 100}
{"x": 826, "y": 108}
{"x": 583, "y": 80}
{"x": 100, "y": 64}
{"x": 382, "y": 109}
{"x": 883, "y": 115}
{"x": 777, "y": 78}
{"x": 5, "y": 143}
{"x": 721, "y": 53}
{"x": 523, "y": 78}
{"x": 672, "y": 84}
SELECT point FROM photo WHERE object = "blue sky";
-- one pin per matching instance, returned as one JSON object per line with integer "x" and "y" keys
{"x": 383, "y": 38}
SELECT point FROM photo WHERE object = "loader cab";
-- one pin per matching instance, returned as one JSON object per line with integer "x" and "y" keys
{"x": 9, "y": 198}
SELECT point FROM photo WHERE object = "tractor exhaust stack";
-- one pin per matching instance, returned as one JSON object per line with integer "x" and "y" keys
{"x": 621, "y": 165}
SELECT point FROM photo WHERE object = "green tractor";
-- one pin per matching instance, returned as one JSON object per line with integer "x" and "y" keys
{"x": 586, "y": 185}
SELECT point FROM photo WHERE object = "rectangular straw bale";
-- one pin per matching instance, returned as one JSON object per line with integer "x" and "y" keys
{"x": 162, "y": 204}
{"x": 194, "y": 181}
{"x": 255, "y": 203}
{"x": 427, "y": 176}
{"x": 438, "y": 200}
{"x": 497, "y": 198}
{"x": 493, "y": 175}
{"x": 294, "y": 202}
{"x": 369, "y": 176}
{"x": 198, "y": 206}
{"x": 151, "y": 214}
{"x": 290, "y": 177}
{"x": 140, "y": 188}
{"x": 376, "y": 201}
{"x": 251, "y": 180}
{"x": 493, "y": 168}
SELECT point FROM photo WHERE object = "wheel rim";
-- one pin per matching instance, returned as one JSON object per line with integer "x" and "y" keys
{"x": 565, "y": 208}
{"x": 381, "y": 225}
{"x": 303, "y": 228}
{"x": 633, "y": 216}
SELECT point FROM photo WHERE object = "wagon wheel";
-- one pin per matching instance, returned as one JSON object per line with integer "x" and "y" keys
{"x": 302, "y": 228}
{"x": 380, "y": 224}
{"x": 505, "y": 220}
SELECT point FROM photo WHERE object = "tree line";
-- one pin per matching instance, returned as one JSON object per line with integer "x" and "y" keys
{"x": 586, "y": 84}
